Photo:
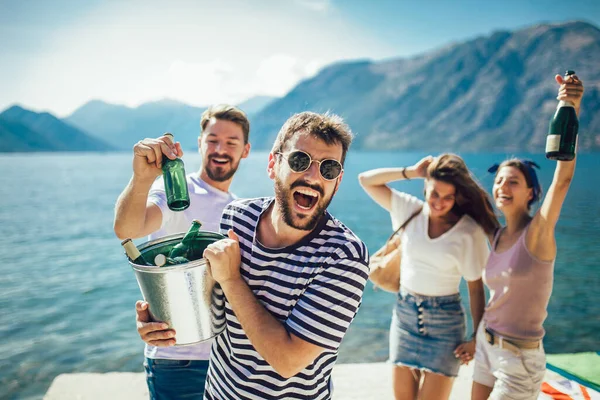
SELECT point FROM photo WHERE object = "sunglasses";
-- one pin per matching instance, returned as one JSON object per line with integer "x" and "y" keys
{"x": 300, "y": 161}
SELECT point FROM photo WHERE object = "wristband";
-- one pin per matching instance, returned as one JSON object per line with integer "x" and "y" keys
{"x": 404, "y": 174}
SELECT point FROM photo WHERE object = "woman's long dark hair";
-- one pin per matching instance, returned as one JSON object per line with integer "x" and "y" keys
{"x": 470, "y": 197}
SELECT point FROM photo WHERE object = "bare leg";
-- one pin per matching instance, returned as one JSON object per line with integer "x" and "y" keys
{"x": 435, "y": 387}
{"x": 406, "y": 383}
{"x": 480, "y": 392}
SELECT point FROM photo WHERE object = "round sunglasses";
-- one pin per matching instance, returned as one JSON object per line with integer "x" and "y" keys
{"x": 300, "y": 161}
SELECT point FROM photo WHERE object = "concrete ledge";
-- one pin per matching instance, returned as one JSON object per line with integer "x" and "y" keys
{"x": 351, "y": 381}
{"x": 89, "y": 386}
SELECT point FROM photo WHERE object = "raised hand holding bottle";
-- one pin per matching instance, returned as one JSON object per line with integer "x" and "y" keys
{"x": 561, "y": 142}
{"x": 176, "y": 188}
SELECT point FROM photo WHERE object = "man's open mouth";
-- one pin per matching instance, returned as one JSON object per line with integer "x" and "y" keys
{"x": 305, "y": 199}
{"x": 220, "y": 161}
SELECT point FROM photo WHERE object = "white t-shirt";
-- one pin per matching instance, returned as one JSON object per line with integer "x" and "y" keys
{"x": 206, "y": 205}
{"x": 433, "y": 267}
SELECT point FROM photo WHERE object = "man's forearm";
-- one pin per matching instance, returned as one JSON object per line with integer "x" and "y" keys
{"x": 130, "y": 210}
{"x": 268, "y": 336}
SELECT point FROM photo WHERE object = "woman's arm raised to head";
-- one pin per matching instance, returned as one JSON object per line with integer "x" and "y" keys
{"x": 540, "y": 237}
{"x": 375, "y": 181}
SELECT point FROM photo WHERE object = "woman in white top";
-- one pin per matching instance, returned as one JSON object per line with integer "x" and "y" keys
{"x": 446, "y": 241}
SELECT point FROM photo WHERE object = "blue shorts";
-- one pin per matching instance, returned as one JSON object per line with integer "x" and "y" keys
{"x": 175, "y": 379}
{"x": 424, "y": 332}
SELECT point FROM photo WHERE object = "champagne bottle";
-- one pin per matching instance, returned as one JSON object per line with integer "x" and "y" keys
{"x": 186, "y": 246}
{"x": 176, "y": 188}
{"x": 163, "y": 261}
{"x": 561, "y": 142}
{"x": 133, "y": 253}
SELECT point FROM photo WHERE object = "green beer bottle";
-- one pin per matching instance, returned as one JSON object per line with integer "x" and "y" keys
{"x": 186, "y": 246}
{"x": 561, "y": 142}
{"x": 163, "y": 261}
{"x": 176, "y": 188}
{"x": 133, "y": 253}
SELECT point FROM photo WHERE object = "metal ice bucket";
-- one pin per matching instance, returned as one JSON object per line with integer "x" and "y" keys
{"x": 184, "y": 296}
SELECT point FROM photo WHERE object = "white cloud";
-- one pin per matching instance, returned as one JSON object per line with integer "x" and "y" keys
{"x": 200, "y": 83}
{"x": 279, "y": 73}
{"x": 204, "y": 53}
{"x": 220, "y": 81}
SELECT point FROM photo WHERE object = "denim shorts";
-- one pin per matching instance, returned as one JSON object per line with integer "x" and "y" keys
{"x": 425, "y": 330}
{"x": 175, "y": 379}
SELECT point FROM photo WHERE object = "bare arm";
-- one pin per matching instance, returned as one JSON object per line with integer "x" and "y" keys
{"x": 134, "y": 218}
{"x": 540, "y": 239}
{"x": 375, "y": 181}
{"x": 285, "y": 352}
{"x": 476, "y": 301}
{"x": 465, "y": 351}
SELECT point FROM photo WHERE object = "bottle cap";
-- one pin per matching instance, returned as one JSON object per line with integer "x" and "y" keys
{"x": 130, "y": 249}
{"x": 569, "y": 72}
{"x": 160, "y": 260}
{"x": 169, "y": 134}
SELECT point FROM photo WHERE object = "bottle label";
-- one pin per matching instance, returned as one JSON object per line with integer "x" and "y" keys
{"x": 552, "y": 143}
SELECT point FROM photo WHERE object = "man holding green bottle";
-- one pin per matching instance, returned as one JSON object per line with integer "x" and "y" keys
{"x": 141, "y": 209}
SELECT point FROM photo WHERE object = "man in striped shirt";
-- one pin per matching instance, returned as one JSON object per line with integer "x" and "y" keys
{"x": 293, "y": 275}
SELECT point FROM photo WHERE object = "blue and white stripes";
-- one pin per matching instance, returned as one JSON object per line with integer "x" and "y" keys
{"x": 314, "y": 288}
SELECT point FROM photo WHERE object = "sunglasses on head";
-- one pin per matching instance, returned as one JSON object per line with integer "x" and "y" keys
{"x": 300, "y": 161}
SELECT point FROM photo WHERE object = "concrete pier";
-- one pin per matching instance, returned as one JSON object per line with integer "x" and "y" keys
{"x": 351, "y": 382}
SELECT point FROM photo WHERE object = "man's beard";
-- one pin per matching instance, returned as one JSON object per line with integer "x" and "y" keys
{"x": 220, "y": 174}
{"x": 284, "y": 198}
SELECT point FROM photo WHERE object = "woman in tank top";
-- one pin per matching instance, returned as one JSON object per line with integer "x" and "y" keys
{"x": 444, "y": 242}
{"x": 510, "y": 359}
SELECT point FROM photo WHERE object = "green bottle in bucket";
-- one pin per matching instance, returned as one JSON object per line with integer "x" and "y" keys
{"x": 163, "y": 261}
{"x": 176, "y": 188}
{"x": 133, "y": 253}
{"x": 186, "y": 247}
{"x": 184, "y": 295}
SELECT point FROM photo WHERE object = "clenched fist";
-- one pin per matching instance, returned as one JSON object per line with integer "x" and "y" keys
{"x": 224, "y": 258}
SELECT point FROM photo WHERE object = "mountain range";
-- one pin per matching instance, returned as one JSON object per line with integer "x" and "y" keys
{"x": 491, "y": 93}
{"x": 122, "y": 126}
{"x": 22, "y": 130}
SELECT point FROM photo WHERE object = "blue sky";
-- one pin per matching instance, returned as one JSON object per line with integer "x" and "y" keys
{"x": 57, "y": 55}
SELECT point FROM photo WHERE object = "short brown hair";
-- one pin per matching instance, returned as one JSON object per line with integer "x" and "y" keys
{"x": 327, "y": 127}
{"x": 226, "y": 112}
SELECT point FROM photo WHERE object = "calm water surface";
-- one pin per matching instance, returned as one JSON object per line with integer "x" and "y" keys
{"x": 67, "y": 294}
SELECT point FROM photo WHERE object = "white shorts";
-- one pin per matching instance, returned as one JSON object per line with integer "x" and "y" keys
{"x": 514, "y": 375}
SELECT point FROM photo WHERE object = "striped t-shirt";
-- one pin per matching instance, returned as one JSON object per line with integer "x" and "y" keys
{"x": 314, "y": 288}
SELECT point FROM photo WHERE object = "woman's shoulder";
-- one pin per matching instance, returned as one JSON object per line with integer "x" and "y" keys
{"x": 469, "y": 226}
{"x": 407, "y": 198}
